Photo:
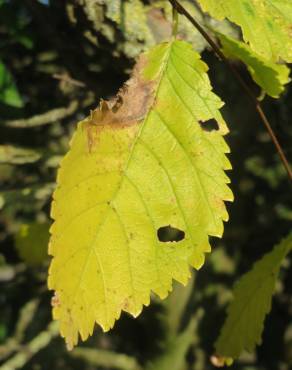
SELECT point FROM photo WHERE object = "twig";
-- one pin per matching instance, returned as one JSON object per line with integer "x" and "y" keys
{"x": 30, "y": 349}
{"x": 25, "y": 317}
{"x": 66, "y": 78}
{"x": 180, "y": 9}
{"x": 44, "y": 118}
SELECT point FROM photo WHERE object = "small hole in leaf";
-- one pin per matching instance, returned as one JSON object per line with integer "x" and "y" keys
{"x": 210, "y": 125}
{"x": 170, "y": 234}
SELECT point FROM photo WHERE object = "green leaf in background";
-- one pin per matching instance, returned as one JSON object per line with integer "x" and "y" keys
{"x": 151, "y": 158}
{"x": 8, "y": 91}
{"x": 15, "y": 25}
{"x": 243, "y": 327}
{"x": 15, "y": 155}
{"x": 266, "y": 24}
{"x": 32, "y": 243}
{"x": 270, "y": 76}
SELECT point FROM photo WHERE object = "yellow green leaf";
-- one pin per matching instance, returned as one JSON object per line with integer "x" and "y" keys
{"x": 31, "y": 242}
{"x": 142, "y": 162}
{"x": 266, "y": 24}
{"x": 270, "y": 76}
{"x": 243, "y": 327}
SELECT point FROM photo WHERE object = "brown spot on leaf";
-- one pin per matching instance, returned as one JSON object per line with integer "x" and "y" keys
{"x": 126, "y": 303}
{"x": 55, "y": 301}
{"x": 128, "y": 107}
{"x": 221, "y": 361}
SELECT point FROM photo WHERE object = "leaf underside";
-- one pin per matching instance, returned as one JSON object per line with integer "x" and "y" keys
{"x": 243, "y": 327}
{"x": 142, "y": 161}
{"x": 266, "y": 24}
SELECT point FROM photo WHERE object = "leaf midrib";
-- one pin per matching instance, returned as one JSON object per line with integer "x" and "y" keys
{"x": 92, "y": 248}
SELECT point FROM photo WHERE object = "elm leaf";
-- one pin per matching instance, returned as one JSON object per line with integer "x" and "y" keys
{"x": 152, "y": 158}
{"x": 266, "y": 24}
{"x": 270, "y": 76}
{"x": 252, "y": 301}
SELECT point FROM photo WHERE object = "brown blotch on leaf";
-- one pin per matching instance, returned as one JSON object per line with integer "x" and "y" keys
{"x": 126, "y": 303}
{"x": 128, "y": 107}
{"x": 220, "y": 361}
{"x": 55, "y": 301}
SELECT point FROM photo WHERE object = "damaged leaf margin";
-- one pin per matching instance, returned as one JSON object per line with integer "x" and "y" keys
{"x": 146, "y": 168}
{"x": 129, "y": 107}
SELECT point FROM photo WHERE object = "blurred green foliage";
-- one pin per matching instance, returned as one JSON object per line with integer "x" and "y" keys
{"x": 31, "y": 242}
{"x": 63, "y": 57}
{"x": 8, "y": 91}
{"x": 252, "y": 297}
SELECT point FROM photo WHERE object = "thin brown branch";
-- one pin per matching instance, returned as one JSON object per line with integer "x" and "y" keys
{"x": 180, "y": 9}
{"x": 66, "y": 78}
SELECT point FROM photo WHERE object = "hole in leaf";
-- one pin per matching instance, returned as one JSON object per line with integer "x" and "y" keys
{"x": 210, "y": 125}
{"x": 170, "y": 234}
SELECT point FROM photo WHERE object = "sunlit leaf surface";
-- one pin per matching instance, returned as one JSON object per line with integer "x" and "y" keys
{"x": 150, "y": 161}
{"x": 266, "y": 24}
